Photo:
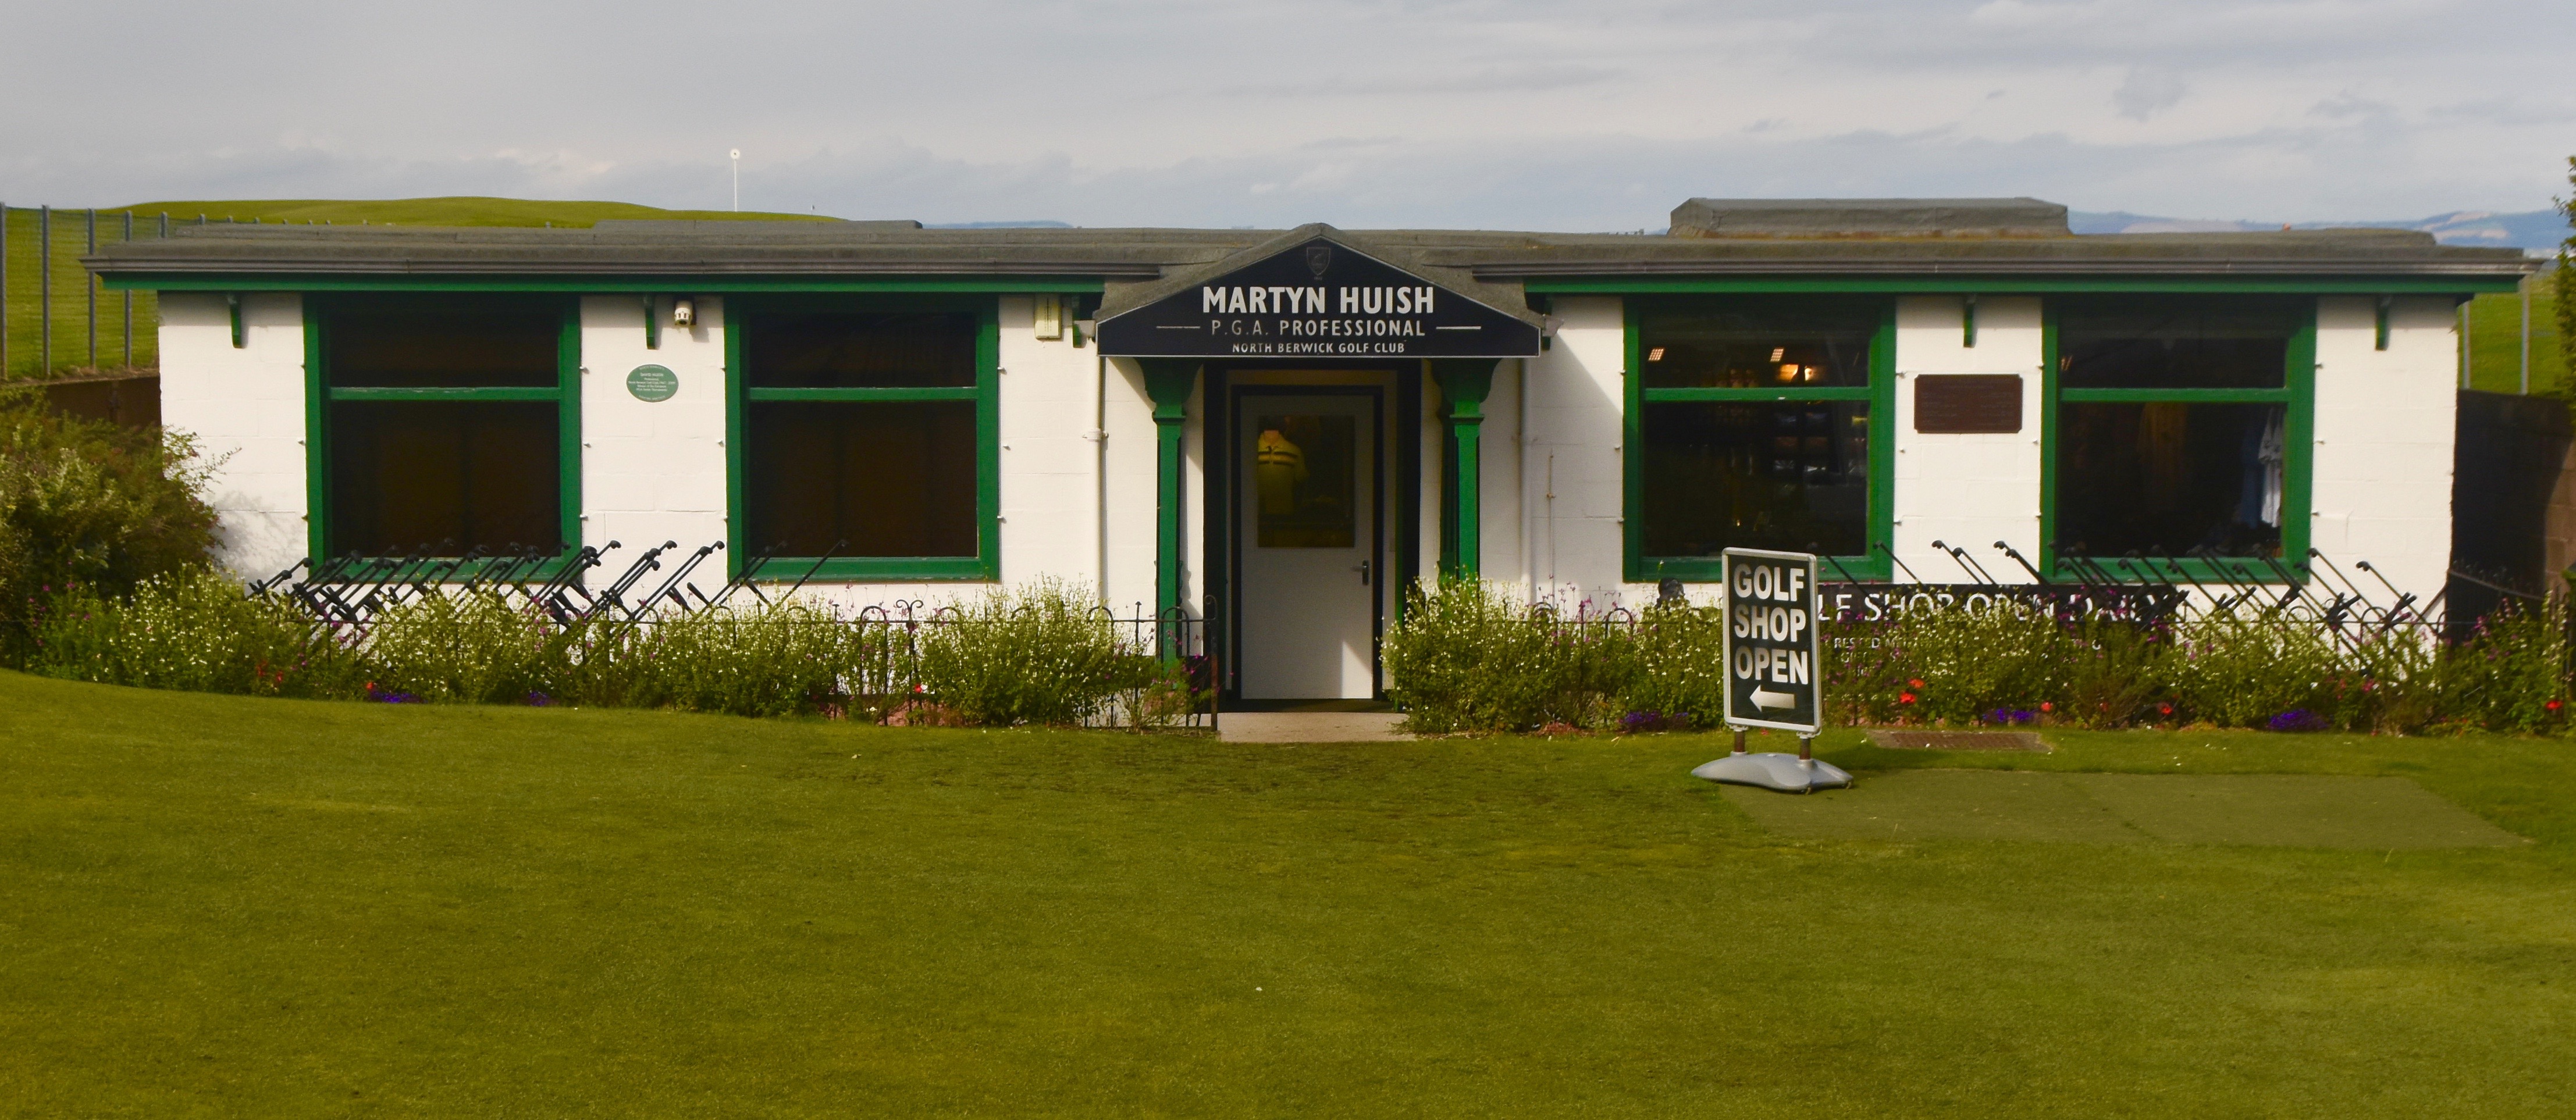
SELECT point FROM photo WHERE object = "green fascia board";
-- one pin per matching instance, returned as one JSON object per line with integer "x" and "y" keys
{"x": 579, "y": 285}
{"x": 2010, "y": 285}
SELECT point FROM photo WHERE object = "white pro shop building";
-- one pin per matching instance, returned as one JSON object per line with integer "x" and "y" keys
{"x": 1279, "y": 430}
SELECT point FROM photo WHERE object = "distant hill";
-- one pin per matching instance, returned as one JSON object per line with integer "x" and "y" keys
{"x": 457, "y": 211}
{"x": 2528, "y": 230}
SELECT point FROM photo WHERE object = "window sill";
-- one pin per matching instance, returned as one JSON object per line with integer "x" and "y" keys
{"x": 878, "y": 569}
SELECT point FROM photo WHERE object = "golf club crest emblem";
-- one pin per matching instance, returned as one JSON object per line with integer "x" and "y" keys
{"x": 1319, "y": 258}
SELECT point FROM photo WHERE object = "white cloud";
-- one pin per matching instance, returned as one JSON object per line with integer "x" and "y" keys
{"x": 2146, "y": 91}
{"x": 1434, "y": 112}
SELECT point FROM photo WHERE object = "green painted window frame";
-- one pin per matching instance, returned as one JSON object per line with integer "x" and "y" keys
{"x": 1879, "y": 394}
{"x": 319, "y": 395}
{"x": 2298, "y": 395}
{"x": 986, "y": 564}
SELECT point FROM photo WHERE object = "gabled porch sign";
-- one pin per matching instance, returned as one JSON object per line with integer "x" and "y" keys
{"x": 1320, "y": 299}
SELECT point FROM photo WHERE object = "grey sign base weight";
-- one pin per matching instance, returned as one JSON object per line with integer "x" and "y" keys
{"x": 1787, "y": 773}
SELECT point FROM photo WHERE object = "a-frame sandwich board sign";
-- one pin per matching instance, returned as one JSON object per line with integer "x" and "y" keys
{"x": 1774, "y": 671}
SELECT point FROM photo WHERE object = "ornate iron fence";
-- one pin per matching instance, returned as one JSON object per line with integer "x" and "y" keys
{"x": 570, "y": 591}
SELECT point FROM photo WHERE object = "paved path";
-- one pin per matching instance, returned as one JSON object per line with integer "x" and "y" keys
{"x": 1309, "y": 727}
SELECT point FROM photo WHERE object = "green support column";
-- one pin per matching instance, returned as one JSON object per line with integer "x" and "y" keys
{"x": 1464, "y": 384}
{"x": 1168, "y": 382}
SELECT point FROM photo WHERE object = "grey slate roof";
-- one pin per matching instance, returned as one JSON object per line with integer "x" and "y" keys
{"x": 1869, "y": 217}
{"x": 1150, "y": 259}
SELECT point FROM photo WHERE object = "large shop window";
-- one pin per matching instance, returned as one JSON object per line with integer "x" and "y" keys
{"x": 444, "y": 425}
{"x": 2181, "y": 430}
{"x": 865, "y": 438}
{"x": 1757, "y": 422}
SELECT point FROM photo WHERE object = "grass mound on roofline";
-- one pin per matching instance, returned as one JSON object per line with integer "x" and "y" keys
{"x": 459, "y": 210}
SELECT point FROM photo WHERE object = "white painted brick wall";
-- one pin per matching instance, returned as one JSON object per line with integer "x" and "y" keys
{"x": 653, "y": 472}
{"x": 1962, "y": 489}
{"x": 1577, "y": 402}
{"x": 246, "y": 408}
{"x": 2384, "y": 430}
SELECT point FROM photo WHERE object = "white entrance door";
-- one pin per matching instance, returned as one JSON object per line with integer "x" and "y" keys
{"x": 1306, "y": 527}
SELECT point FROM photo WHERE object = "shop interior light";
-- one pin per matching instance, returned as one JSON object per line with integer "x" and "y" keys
{"x": 1655, "y": 355}
{"x": 1779, "y": 352}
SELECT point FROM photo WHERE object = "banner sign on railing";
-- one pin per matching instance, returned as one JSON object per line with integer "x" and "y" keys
{"x": 1877, "y": 602}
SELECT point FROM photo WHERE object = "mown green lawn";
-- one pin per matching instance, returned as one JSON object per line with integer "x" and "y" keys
{"x": 213, "y": 905}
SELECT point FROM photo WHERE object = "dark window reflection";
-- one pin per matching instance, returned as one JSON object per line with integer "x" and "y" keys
{"x": 2170, "y": 479}
{"x": 893, "y": 479}
{"x": 444, "y": 477}
{"x": 445, "y": 342}
{"x": 1304, "y": 470}
{"x": 1757, "y": 342}
{"x": 848, "y": 350}
{"x": 1787, "y": 476}
{"x": 2177, "y": 342}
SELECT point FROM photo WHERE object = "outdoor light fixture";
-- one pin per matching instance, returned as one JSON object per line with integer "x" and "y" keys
{"x": 684, "y": 311}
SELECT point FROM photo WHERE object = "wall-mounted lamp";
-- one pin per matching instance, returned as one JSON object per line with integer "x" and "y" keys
{"x": 684, "y": 312}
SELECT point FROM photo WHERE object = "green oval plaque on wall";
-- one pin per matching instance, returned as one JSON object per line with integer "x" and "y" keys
{"x": 653, "y": 383}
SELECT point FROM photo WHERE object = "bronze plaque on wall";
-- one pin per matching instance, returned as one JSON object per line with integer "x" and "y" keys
{"x": 1967, "y": 402}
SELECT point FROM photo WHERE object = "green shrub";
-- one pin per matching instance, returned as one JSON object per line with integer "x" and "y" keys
{"x": 91, "y": 505}
{"x": 1678, "y": 677}
{"x": 2511, "y": 673}
{"x": 2245, "y": 670}
{"x": 772, "y": 660}
{"x": 473, "y": 647}
{"x": 1041, "y": 654}
{"x": 193, "y": 630}
{"x": 1469, "y": 656}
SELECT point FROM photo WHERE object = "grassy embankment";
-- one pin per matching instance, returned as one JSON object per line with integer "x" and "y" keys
{"x": 23, "y": 314}
{"x": 2495, "y": 339}
{"x": 248, "y": 907}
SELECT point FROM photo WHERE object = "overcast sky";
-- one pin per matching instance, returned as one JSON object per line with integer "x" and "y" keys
{"x": 1586, "y": 115}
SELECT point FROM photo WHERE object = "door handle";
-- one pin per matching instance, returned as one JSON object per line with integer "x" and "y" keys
{"x": 1363, "y": 570}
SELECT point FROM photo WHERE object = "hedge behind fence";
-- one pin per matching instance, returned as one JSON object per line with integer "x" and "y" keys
{"x": 1471, "y": 657}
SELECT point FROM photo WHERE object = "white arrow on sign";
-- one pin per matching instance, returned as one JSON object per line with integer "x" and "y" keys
{"x": 1765, "y": 698}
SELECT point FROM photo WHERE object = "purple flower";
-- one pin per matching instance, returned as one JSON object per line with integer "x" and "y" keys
{"x": 2297, "y": 719}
